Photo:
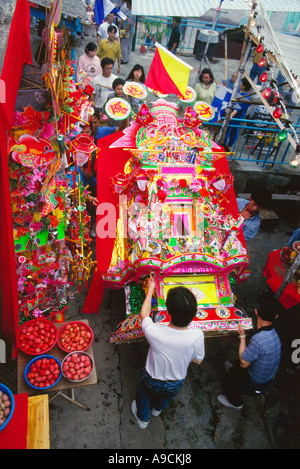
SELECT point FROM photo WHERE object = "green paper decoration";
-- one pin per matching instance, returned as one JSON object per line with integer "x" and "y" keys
{"x": 136, "y": 298}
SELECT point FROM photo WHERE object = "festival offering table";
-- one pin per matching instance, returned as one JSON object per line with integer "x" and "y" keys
{"x": 63, "y": 383}
{"x": 275, "y": 271}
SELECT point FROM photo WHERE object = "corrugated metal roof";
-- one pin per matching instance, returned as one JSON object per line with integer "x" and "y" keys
{"x": 196, "y": 8}
{"x": 72, "y": 8}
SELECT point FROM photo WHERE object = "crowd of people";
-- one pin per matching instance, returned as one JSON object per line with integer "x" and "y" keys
{"x": 101, "y": 65}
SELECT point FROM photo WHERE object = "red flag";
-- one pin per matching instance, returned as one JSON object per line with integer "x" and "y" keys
{"x": 19, "y": 39}
{"x": 167, "y": 73}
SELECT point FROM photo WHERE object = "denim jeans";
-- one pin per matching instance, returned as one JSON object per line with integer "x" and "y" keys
{"x": 155, "y": 392}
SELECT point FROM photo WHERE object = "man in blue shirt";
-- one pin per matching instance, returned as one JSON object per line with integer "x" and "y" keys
{"x": 258, "y": 362}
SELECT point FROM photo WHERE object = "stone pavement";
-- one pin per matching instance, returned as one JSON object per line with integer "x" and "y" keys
{"x": 194, "y": 419}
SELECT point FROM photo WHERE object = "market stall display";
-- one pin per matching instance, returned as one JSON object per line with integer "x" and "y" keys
{"x": 49, "y": 201}
{"x": 178, "y": 221}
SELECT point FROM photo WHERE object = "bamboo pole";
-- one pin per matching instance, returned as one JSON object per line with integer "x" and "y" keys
{"x": 244, "y": 57}
{"x": 225, "y": 53}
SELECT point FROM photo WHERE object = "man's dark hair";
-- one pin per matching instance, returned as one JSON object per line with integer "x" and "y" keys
{"x": 118, "y": 81}
{"x": 177, "y": 19}
{"x": 112, "y": 29}
{"x": 107, "y": 61}
{"x": 266, "y": 307}
{"x": 96, "y": 113}
{"x": 246, "y": 84}
{"x": 262, "y": 196}
{"x": 181, "y": 305}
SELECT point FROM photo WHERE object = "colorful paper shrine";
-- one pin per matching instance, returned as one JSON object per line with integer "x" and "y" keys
{"x": 178, "y": 221}
{"x": 49, "y": 202}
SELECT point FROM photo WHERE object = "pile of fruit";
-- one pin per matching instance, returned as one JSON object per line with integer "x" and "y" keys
{"x": 37, "y": 336}
{"x": 288, "y": 254}
{"x": 75, "y": 337}
{"x": 43, "y": 372}
{"x": 5, "y": 407}
{"x": 77, "y": 366}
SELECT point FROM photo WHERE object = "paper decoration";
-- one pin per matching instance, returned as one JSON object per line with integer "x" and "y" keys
{"x": 189, "y": 96}
{"x": 82, "y": 146}
{"x": 117, "y": 108}
{"x": 32, "y": 152}
{"x": 204, "y": 110}
{"x": 135, "y": 90}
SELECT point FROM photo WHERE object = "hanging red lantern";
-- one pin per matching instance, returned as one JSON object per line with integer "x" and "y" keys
{"x": 261, "y": 62}
{"x": 263, "y": 77}
{"x": 259, "y": 48}
{"x": 267, "y": 93}
{"x": 277, "y": 112}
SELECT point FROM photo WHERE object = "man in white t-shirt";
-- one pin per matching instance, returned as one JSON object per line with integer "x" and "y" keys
{"x": 172, "y": 349}
{"x": 102, "y": 30}
{"x": 102, "y": 84}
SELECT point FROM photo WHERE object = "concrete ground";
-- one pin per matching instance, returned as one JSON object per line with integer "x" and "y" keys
{"x": 194, "y": 419}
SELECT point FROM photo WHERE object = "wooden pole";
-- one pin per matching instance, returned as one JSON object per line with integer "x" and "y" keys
{"x": 221, "y": 135}
{"x": 244, "y": 57}
{"x": 225, "y": 53}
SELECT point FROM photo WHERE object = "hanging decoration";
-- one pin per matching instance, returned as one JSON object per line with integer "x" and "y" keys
{"x": 49, "y": 202}
{"x": 280, "y": 113}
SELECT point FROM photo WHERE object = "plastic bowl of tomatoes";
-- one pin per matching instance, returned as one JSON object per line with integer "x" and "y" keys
{"x": 37, "y": 336}
{"x": 7, "y": 406}
{"x": 77, "y": 366}
{"x": 75, "y": 336}
{"x": 43, "y": 372}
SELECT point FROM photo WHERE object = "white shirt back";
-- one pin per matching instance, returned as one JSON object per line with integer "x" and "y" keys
{"x": 171, "y": 350}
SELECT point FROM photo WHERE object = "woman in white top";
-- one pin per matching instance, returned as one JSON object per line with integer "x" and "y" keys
{"x": 171, "y": 350}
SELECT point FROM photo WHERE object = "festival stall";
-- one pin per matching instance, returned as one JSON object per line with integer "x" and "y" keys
{"x": 45, "y": 226}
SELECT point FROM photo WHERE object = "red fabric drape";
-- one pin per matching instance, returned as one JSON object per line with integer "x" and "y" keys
{"x": 18, "y": 52}
{"x": 14, "y": 435}
{"x": 275, "y": 271}
{"x": 110, "y": 162}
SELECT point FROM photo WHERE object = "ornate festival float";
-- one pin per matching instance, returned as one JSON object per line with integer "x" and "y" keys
{"x": 178, "y": 220}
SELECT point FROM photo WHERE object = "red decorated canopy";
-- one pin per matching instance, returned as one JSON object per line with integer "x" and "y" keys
{"x": 18, "y": 52}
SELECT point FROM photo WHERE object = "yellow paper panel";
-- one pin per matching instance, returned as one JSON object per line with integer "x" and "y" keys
{"x": 203, "y": 287}
{"x": 38, "y": 423}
